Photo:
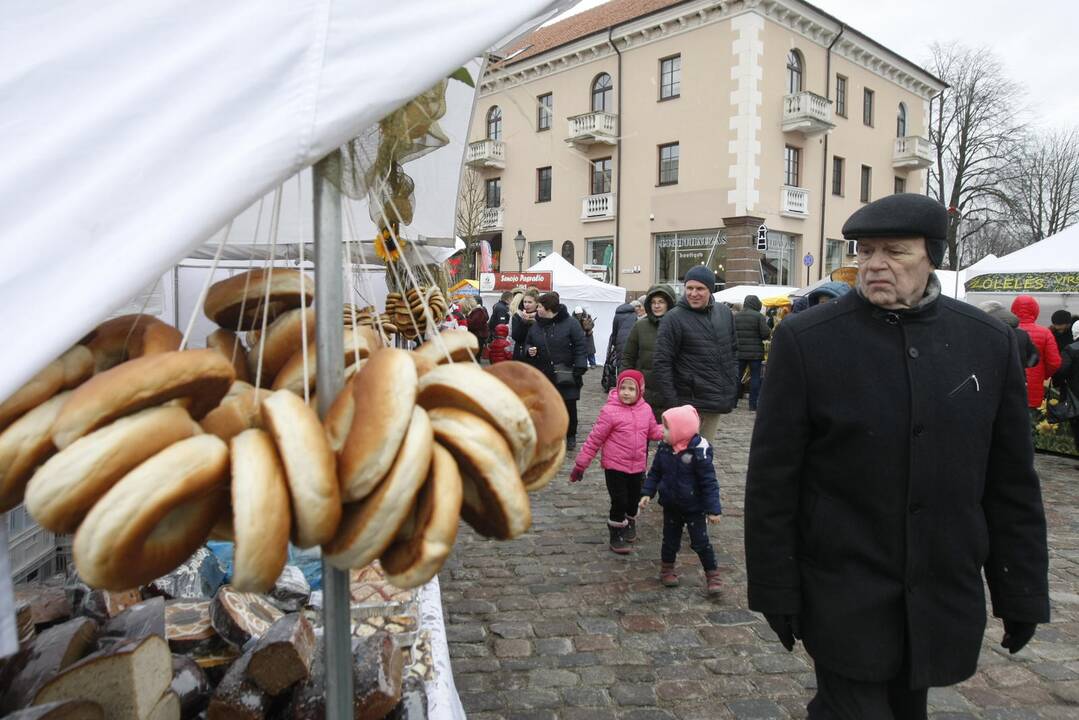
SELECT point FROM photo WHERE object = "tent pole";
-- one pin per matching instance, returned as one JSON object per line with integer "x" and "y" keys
{"x": 329, "y": 377}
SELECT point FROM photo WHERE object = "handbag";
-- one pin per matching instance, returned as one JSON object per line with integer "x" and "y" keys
{"x": 1067, "y": 407}
{"x": 564, "y": 376}
{"x": 610, "y": 370}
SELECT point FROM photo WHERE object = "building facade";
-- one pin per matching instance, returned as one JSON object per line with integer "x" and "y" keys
{"x": 642, "y": 137}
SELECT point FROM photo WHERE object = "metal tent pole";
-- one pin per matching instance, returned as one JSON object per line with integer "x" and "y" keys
{"x": 329, "y": 377}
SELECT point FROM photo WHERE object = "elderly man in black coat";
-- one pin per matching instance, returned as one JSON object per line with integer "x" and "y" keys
{"x": 891, "y": 465}
{"x": 694, "y": 362}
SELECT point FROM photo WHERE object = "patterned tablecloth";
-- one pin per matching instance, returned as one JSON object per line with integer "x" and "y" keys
{"x": 443, "y": 702}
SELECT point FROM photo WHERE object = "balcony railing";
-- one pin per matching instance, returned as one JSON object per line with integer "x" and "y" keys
{"x": 912, "y": 152}
{"x": 593, "y": 127}
{"x": 794, "y": 201}
{"x": 30, "y": 548}
{"x": 491, "y": 219}
{"x": 486, "y": 153}
{"x": 598, "y": 207}
{"x": 807, "y": 113}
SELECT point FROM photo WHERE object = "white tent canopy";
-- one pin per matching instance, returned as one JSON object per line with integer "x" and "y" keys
{"x": 131, "y": 132}
{"x": 1058, "y": 253}
{"x": 738, "y": 293}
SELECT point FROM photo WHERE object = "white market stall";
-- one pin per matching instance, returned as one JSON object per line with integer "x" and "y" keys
{"x": 1048, "y": 270}
{"x": 574, "y": 288}
{"x": 738, "y": 293}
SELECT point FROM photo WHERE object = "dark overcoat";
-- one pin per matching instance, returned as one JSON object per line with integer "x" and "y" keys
{"x": 891, "y": 463}
{"x": 640, "y": 348}
{"x": 751, "y": 328}
{"x": 558, "y": 341}
{"x": 694, "y": 361}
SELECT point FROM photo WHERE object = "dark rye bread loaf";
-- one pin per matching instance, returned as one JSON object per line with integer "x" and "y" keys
{"x": 188, "y": 628}
{"x": 237, "y": 617}
{"x": 282, "y": 657}
{"x": 138, "y": 621}
{"x": 191, "y": 686}
{"x": 49, "y": 653}
{"x": 62, "y": 710}
{"x": 236, "y": 697}
{"x": 377, "y": 668}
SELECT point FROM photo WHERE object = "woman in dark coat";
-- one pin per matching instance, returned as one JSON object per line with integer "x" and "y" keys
{"x": 641, "y": 343}
{"x": 555, "y": 342}
{"x": 522, "y": 317}
{"x": 1068, "y": 375}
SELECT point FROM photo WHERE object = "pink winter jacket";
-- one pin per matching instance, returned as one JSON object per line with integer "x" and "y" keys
{"x": 623, "y": 432}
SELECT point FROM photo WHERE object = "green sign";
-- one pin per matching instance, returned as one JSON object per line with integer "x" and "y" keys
{"x": 1051, "y": 282}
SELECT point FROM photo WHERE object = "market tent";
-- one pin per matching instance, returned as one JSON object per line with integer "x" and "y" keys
{"x": 738, "y": 293}
{"x": 1057, "y": 253}
{"x": 188, "y": 112}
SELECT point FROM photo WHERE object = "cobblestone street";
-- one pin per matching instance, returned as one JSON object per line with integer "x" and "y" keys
{"x": 554, "y": 625}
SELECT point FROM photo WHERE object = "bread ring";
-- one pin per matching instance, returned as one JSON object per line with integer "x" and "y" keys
{"x": 78, "y": 365}
{"x": 291, "y": 376}
{"x": 494, "y": 499}
{"x": 338, "y": 418}
{"x": 23, "y": 445}
{"x": 224, "y": 298}
{"x": 417, "y": 557}
{"x": 120, "y": 338}
{"x": 369, "y": 526}
{"x": 64, "y": 489}
{"x": 468, "y": 387}
{"x": 549, "y": 417}
{"x": 228, "y": 344}
{"x": 283, "y": 338}
{"x": 460, "y": 345}
{"x": 260, "y": 511}
{"x": 239, "y": 410}
{"x": 38, "y": 389}
{"x": 202, "y": 376}
{"x": 155, "y": 517}
{"x": 384, "y": 393}
{"x": 309, "y": 467}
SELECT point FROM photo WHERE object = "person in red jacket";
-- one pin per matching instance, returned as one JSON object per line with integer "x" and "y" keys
{"x": 622, "y": 430}
{"x": 501, "y": 349}
{"x": 1026, "y": 309}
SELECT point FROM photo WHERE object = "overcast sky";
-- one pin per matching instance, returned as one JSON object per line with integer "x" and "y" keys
{"x": 1037, "y": 43}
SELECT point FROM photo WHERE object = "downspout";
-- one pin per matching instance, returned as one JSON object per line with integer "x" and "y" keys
{"x": 618, "y": 159}
{"x": 824, "y": 169}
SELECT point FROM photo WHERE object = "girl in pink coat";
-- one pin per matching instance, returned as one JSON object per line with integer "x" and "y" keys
{"x": 622, "y": 430}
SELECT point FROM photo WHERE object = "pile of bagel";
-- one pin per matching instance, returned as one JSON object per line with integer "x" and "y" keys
{"x": 145, "y": 451}
{"x": 406, "y": 310}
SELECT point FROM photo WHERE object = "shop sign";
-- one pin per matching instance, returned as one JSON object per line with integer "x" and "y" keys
{"x": 1051, "y": 282}
{"x": 596, "y": 272}
{"x": 705, "y": 239}
{"x": 498, "y": 281}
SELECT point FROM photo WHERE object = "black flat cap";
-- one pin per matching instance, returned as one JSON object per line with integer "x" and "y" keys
{"x": 902, "y": 215}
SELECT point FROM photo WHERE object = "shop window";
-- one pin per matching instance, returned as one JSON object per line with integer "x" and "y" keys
{"x": 538, "y": 250}
{"x": 676, "y": 253}
{"x": 777, "y": 265}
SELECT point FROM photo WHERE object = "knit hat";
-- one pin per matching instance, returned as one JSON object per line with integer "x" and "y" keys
{"x": 703, "y": 275}
{"x": 902, "y": 215}
{"x": 682, "y": 423}
{"x": 502, "y": 330}
{"x": 1061, "y": 317}
{"x": 635, "y": 376}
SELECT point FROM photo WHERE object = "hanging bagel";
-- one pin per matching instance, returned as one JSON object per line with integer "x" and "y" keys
{"x": 228, "y": 344}
{"x": 78, "y": 365}
{"x": 283, "y": 338}
{"x": 23, "y": 446}
{"x": 451, "y": 346}
{"x": 260, "y": 512}
{"x": 121, "y": 338}
{"x": 249, "y": 291}
{"x": 291, "y": 377}
{"x": 239, "y": 410}
{"x": 46, "y": 383}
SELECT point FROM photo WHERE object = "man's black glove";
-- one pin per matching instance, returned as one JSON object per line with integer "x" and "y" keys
{"x": 787, "y": 628}
{"x": 1017, "y": 634}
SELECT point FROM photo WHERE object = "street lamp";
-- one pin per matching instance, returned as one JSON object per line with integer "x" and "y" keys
{"x": 519, "y": 244}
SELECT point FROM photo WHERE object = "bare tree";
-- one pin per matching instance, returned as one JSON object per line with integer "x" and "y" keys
{"x": 974, "y": 131}
{"x": 471, "y": 203}
{"x": 1044, "y": 188}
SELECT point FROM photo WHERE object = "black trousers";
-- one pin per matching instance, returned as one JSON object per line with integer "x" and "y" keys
{"x": 625, "y": 491}
{"x": 697, "y": 525}
{"x": 571, "y": 408}
{"x": 840, "y": 698}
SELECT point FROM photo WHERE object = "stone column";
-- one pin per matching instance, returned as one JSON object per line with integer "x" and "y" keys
{"x": 743, "y": 259}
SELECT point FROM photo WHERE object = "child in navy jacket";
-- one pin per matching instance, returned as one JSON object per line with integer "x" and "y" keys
{"x": 683, "y": 474}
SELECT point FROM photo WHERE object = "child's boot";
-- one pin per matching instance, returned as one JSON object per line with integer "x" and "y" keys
{"x": 667, "y": 575}
{"x": 618, "y": 542}
{"x": 714, "y": 585}
{"x": 629, "y": 534}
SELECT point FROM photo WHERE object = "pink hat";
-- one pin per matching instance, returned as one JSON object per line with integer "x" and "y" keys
{"x": 682, "y": 424}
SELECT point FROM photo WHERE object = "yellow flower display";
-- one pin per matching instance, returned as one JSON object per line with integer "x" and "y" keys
{"x": 389, "y": 244}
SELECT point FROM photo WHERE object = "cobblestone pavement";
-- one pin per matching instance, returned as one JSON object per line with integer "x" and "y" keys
{"x": 554, "y": 625}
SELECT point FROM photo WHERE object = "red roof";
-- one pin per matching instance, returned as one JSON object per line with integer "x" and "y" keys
{"x": 598, "y": 19}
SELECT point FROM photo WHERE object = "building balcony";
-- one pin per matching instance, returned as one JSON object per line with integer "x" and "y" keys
{"x": 598, "y": 207}
{"x": 491, "y": 220}
{"x": 793, "y": 202}
{"x": 807, "y": 113}
{"x": 486, "y": 154}
{"x": 912, "y": 153}
{"x": 593, "y": 128}
{"x": 29, "y": 549}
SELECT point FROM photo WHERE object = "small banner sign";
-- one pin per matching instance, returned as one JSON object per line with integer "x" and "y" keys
{"x": 497, "y": 281}
{"x": 1050, "y": 282}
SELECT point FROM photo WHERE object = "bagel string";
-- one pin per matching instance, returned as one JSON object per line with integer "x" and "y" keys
{"x": 363, "y": 259}
{"x": 135, "y": 322}
{"x": 275, "y": 216}
{"x": 303, "y": 314}
{"x": 205, "y": 286}
{"x": 247, "y": 281}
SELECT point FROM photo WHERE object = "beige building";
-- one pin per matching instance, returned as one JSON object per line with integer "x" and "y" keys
{"x": 659, "y": 134}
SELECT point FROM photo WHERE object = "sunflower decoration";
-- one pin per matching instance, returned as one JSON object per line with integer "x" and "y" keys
{"x": 389, "y": 244}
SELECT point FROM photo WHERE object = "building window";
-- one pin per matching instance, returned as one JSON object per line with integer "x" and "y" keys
{"x": 794, "y": 72}
{"x": 539, "y": 250}
{"x": 543, "y": 184}
{"x": 668, "y": 164}
{"x": 600, "y": 251}
{"x": 867, "y": 183}
{"x": 837, "y": 175}
{"x": 567, "y": 251}
{"x": 544, "y": 112}
{"x": 867, "y": 107}
{"x": 601, "y": 176}
{"x": 777, "y": 265}
{"x": 834, "y": 252}
{"x": 493, "y": 192}
{"x": 677, "y": 253}
{"x": 494, "y": 123}
{"x": 901, "y": 121}
{"x": 841, "y": 95}
{"x": 792, "y": 161}
{"x": 900, "y": 185}
{"x": 602, "y": 92}
{"x": 670, "y": 77}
